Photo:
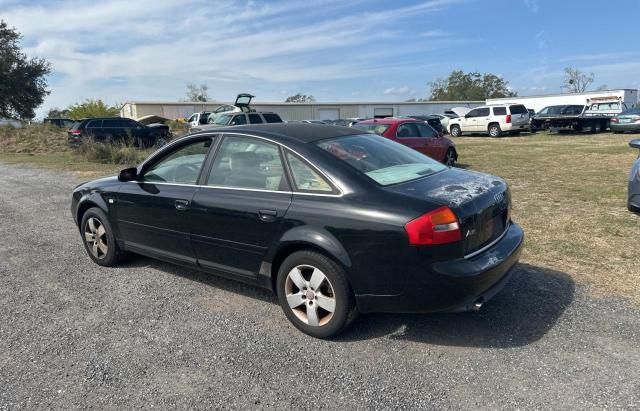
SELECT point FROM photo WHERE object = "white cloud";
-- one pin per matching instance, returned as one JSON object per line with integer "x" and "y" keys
{"x": 532, "y": 5}
{"x": 144, "y": 49}
{"x": 435, "y": 34}
{"x": 399, "y": 91}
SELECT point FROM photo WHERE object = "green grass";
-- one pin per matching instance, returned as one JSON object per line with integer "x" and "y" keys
{"x": 569, "y": 194}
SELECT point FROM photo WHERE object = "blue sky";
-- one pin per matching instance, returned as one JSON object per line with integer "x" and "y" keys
{"x": 337, "y": 50}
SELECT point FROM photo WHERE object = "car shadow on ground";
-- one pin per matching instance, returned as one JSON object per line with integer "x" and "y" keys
{"x": 522, "y": 313}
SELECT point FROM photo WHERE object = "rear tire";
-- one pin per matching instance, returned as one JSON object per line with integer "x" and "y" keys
{"x": 633, "y": 208}
{"x": 494, "y": 130}
{"x": 98, "y": 238}
{"x": 314, "y": 294}
{"x": 456, "y": 131}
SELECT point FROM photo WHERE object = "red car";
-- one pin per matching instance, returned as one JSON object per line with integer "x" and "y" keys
{"x": 413, "y": 133}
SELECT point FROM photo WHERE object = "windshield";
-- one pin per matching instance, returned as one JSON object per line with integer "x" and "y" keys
{"x": 372, "y": 127}
{"x": 222, "y": 119}
{"x": 381, "y": 159}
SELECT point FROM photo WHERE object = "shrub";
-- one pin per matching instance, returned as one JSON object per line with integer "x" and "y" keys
{"x": 34, "y": 138}
{"x": 111, "y": 153}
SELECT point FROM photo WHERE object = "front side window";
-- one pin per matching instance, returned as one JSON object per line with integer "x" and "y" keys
{"x": 472, "y": 113}
{"x": 305, "y": 178}
{"x": 245, "y": 162}
{"x": 181, "y": 166}
{"x": 382, "y": 160}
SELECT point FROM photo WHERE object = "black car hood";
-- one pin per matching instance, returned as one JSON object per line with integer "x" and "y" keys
{"x": 101, "y": 182}
{"x": 453, "y": 187}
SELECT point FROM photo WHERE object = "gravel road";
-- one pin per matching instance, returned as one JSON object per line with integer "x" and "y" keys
{"x": 149, "y": 334}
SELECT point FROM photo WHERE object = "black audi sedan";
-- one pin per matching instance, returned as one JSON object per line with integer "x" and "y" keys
{"x": 335, "y": 222}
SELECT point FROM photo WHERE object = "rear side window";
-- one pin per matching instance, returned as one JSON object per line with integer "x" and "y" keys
{"x": 272, "y": 118}
{"x": 237, "y": 120}
{"x": 518, "y": 109}
{"x": 111, "y": 123}
{"x": 499, "y": 111}
{"x": 426, "y": 131}
{"x": 305, "y": 178}
{"x": 94, "y": 124}
{"x": 255, "y": 119}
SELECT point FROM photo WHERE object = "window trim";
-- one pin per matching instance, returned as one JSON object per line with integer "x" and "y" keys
{"x": 204, "y": 177}
{"x": 292, "y": 180}
{"x": 216, "y": 137}
{"x": 170, "y": 148}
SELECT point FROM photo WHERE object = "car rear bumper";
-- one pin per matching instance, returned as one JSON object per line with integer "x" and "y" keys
{"x": 625, "y": 127}
{"x": 454, "y": 285}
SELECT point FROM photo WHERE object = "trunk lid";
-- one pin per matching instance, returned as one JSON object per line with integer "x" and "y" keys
{"x": 519, "y": 115}
{"x": 481, "y": 202}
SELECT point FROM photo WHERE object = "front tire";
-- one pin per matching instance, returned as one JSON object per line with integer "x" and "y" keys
{"x": 456, "y": 131}
{"x": 450, "y": 158}
{"x": 98, "y": 238}
{"x": 314, "y": 294}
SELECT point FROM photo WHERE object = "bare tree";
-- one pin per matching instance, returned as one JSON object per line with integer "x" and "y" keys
{"x": 575, "y": 81}
{"x": 197, "y": 93}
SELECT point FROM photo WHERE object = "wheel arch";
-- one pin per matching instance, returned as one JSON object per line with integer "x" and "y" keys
{"x": 298, "y": 239}
{"x": 88, "y": 202}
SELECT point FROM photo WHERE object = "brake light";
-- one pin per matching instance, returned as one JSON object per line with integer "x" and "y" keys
{"x": 508, "y": 119}
{"x": 75, "y": 132}
{"x": 614, "y": 120}
{"x": 439, "y": 226}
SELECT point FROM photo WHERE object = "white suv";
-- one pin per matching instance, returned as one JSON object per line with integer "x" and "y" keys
{"x": 493, "y": 120}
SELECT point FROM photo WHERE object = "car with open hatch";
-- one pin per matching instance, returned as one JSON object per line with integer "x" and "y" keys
{"x": 413, "y": 133}
{"x": 335, "y": 221}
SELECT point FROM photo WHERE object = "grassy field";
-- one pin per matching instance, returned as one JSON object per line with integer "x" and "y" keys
{"x": 569, "y": 194}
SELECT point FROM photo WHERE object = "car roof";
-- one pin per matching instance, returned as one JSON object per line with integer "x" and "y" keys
{"x": 283, "y": 132}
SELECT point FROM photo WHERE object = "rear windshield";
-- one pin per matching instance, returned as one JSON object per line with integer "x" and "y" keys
{"x": 372, "y": 127}
{"x": 381, "y": 159}
{"x": 631, "y": 112}
{"x": 518, "y": 109}
{"x": 272, "y": 118}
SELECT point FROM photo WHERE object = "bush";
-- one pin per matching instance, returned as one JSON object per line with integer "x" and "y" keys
{"x": 111, "y": 153}
{"x": 35, "y": 138}
{"x": 178, "y": 128}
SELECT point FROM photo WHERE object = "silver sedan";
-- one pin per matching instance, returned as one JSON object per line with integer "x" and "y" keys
{"x": 633, "y": 203}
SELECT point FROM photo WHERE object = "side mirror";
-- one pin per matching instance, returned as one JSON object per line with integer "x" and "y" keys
{"x": 635, "y": 144}
{"x": 128, "y": 174}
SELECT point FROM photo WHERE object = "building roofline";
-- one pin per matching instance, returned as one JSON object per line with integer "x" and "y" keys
{"x": 333, "y": 103}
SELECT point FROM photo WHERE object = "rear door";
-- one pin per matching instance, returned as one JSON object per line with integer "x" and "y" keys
{"x": 154, "y": 213}
{"x": 435, "y": 146}
{"x": 255, "y": 118}
{"x": 519, "y": 115}
{"x": 408, "y": 134}
{"x": 238, "y": 212}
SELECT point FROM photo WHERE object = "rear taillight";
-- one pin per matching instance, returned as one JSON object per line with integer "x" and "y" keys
{"x": 614, "y": 120}
{"x": 508, "y": 119}
{"x": 75, "y": 132}
{"x": 439, "y": 226}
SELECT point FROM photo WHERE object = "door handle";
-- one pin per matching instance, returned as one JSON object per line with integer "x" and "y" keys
{"x": 268, "y": 215}
{"x": 182, "y": 205}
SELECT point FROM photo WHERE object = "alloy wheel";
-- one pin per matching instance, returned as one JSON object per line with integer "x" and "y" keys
{"x": 450, "y": 159}
{"x": 95, "y": 236}
{"x": 310, "y": 295}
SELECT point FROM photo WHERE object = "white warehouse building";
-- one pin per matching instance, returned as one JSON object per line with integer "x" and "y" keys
{"x": 298, "y": 111}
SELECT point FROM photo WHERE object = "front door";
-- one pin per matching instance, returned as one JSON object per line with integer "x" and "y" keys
{"x": 240, "y": 211}
{"x": 153, "y": 214}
